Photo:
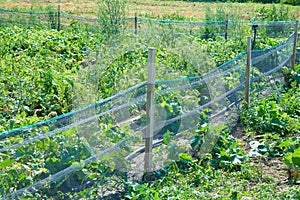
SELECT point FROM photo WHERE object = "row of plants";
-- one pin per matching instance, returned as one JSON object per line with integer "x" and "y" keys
{"x": 231, "y": 168}
{"x": 275, "y": 123}
{"x": 239, "y": 167}
{"x": 40, "y": 69}
{"x": 226, "y": 154}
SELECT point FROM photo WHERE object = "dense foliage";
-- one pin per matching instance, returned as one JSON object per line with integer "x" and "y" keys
{"x": 230, "y": 172}
{"x": 39, "y": 71}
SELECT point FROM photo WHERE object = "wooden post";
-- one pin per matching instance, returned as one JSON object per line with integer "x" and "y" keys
{"x": 248, "y": 66}
{"x": 136, "y": 23}
{"x": 58, "y": 18}
{"x": 226, "y": 27}
{"x": 150, "y": 110}
{"x": 295, "y": 45}
{"x": 254, "y": 28}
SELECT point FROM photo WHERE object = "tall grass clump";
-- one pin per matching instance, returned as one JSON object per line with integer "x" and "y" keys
{"x": 111, "y": 14}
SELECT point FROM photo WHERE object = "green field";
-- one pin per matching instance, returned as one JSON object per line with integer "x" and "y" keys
{"x": 152, "y": 8}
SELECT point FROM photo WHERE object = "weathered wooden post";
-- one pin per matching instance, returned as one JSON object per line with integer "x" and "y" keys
{"x": 136, "y": 23}
{"x": 254, "y": 28}
{"x": 295, "y": 45}
{"x": 150, "y": 110}
{"x": 248, "y": 66}
{"x": 58, "y": 18}
{"x": 226, "y": 27}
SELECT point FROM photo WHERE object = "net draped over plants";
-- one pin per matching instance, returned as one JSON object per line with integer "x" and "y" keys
{"x": 99, "y": 142}
{"x": 207, "y": 29}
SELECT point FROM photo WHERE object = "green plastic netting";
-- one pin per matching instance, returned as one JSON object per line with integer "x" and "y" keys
{"x": 111, "y": 132}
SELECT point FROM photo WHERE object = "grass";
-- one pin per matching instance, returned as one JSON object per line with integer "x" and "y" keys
{"x": 207, "y": 183}
{"x": 148, "y": 8}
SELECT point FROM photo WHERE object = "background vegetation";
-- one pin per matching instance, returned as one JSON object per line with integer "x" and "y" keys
{"x": 149, "y": 8}
{"x": 292, "y": 2}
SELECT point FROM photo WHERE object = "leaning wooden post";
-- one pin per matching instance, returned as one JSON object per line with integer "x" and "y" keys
{"x": 226, "y": 27}
{"x": 295, "y": 45}
{"x": 136, "y": 23}
{"x": 248, "y": 66}
{"x": 150, "y": 110}
{"x": 58, "y": 18}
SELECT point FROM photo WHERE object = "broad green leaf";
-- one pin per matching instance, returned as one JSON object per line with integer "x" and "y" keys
{"x": 195, "y": 141}
{"x": 296, "y": 157}
{"x": 6, "y": 163}
{"x": 167, "y": 138}
{"x": 185, "y": 156}
{"x": 93, "y": 175}
{"x": 297, "y": 68}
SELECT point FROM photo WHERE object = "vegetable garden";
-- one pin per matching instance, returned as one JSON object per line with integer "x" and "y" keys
{"x": 74, "y": 109}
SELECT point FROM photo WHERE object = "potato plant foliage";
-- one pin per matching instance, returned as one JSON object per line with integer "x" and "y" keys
{"x": 38, "y": 72}
{"x": 231, "y": 170}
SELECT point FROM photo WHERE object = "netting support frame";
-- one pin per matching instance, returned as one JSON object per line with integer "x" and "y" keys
{"x": 148, "y": 167}
{"x": 58, "y": 17}
{"x": 226, "y": 27}
{"x": 295, "y": 44}
{"x": 248, "y": 66}
{"x": 136, "y": 23}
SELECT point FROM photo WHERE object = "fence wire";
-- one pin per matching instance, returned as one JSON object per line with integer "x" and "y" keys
{"x": 205, "y": 29}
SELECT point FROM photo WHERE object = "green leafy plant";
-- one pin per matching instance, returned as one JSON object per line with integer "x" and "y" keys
{"x": 274, "y": 14}
{"x": 277, "y": 114}
{"x": 292, "y": 160}
{"x": 226, "y": 151}
{"x": 291, "y": 75}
